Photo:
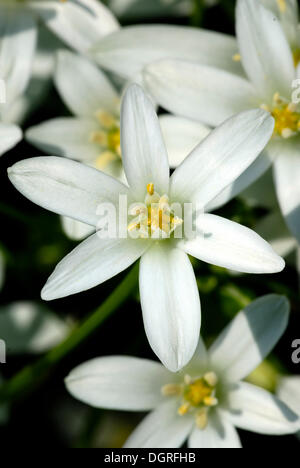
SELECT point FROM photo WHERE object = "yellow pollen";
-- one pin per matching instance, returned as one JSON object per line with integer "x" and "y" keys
{"x": 296, "y": 57}
{"x": 183, "y": 409}
{"x": 236, "y": 57}
{"x": 150, "y": 188}
{"x": 286, "y": 115}
{"x": 114, "y": 141}
{"x": 281, "y": 5}
{"x": 106, "y": 119}
{"x": 108, "y": 138}
{"x": 171, "y": 390}
{"x": 202, "y": 419}
{"x": 196, "y": 392}
{"x": 104, "y": 160}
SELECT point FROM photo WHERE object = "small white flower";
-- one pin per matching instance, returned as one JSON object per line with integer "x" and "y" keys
{"x": 206, "y": 400}
{"x": 270, "y": 59}
{"x": 169, "y": 293}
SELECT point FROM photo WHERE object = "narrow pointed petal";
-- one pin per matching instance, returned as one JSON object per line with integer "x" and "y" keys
{"x": 265, "y": 51}
{"x": 66, "y": 187}
{"x": 230, "y": 245}
{"x": 144, "y": 154}
{"x": 198, "y": 92}
{"x": 254, "y": 409}
{"x": 127, "y": 51}
{"x": 94, "y": 261}
{"x": 181, "y": 136}
{"x": 119, "y": 382}
{"x": 10, "y": 135}
{"x": 254, "y": 332}
{"x": 170, "y": 304}
{"x": 287, "y": 176}
{"x": 68, "y": 137}
{"x": 222, "y": 157}
{"x": 84, "y": 88}
{"x": 163, "y": 428}
{"x": 218, "y": 434}
{"x": 79, "y": 24}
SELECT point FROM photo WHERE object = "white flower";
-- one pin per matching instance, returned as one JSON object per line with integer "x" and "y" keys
{"x": 168, "y": 289}
{"x": 289, "y": 392}
{"x": 93, "y": 136}
{"x": 206, "y": 400}
{"x": 210, "y": 95}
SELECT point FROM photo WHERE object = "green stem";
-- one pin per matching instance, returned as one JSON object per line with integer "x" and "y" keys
{"x": 198, "y": 12}
{"x": 29, "y": 378}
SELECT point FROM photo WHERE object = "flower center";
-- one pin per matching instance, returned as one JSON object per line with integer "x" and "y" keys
{"x": 153, "y": 218}
{"x": 198, "y": 396}
{"x": 296, "y": 57}
{"x": 286, "y": 115}
{"x": 108, "y": 138}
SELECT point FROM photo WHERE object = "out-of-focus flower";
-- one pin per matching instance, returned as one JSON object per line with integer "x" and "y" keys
{"x": 93, "y": 136}
{"x": 140, "y": 9}
{"x": 168, "y": 288}
{"x": 211, "y": 95}
{"x": 289, "y": 392}
{"x": 206, "y": 400}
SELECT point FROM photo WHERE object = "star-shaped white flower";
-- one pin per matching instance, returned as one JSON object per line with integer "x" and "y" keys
{"x": 206, "y": 400}
{"x": 168, "y": 288}
{"x": 270, "y": 58}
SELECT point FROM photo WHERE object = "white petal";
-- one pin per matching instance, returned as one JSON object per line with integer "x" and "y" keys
{"x": 218, "y": 434}
{"x": 163, "y": 428}
{"x": 198, "y": 92}
{"x": 254, "y": 332}
{"x": 287, "y": 176}
{"x": 84, "y": 88}
{"x": 230, "y": 245}
{"x": 94, "y": 261}
{"x": 181, "y": 136}
{"x": 222, "y": 157}
{"x": 17, "y": 47}
{"x": 66, "y": 187}
{"x": 127, "y": 51}
{"x": 265, "y": 51}
{"x": 254, "y": 409}
{"x": 289, "y": 392}
{"x": 28, "y": 327}
{"x": 119, "y": 382}
{"x": 10, "y": 135}
{"x": 80, "y": 24}
{"x": 246, "y": 179}
{"x": 144, "y": 154}
{"x": 76, "y": 230}
{"x": 170, "y": 304}
{"x": 66, "y": 136}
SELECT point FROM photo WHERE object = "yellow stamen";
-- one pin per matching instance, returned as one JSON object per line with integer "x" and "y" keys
{"x": 183, "y": 409}
{"x": 197, "y": 391}
{"x": 107, "y": 120}
{"x": 171, "y": 390}
{"x": 202, "y": 419}
{"x": 281, "y": 5}
{"x": 211, "y": 378}
{"x": 286, "y": 115}
{"x": 236, "y": 57}
{"x": 150, "y": 188}
{"x": 104, "y": 159}
{"x": 296, "y": 57}
{"x": 210, "y": 401}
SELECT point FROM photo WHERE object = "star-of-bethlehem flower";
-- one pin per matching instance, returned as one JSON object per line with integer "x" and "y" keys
{"x": 168, "y": 289}
{"x": 206, "y": 400}
{"x": 93, "y": 135}
{"x": 269, "y": 50}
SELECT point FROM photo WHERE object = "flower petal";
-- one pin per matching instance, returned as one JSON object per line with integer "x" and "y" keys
{"x": 80, "y": 24}
{"x": 265, "y": 51}
{"x": 119, "y": 382}
{"x": 84, "y": 88}
{"x": 17, "y": 46}
{"x": 254, "y": 409}
{"x": 10, "y": 135}
{"x": 287, "y": 176}
{"x": 254, "y": 332}
{"x": 218, "y": 434}
{"x": 198, "y": 92}
{"x": 222, "y": 157}
{"x": 163, "y": 428}
{"x": 230, "y": 245}
{"x": 170, "y": 304}
{"x": 75, "y": 230}
{"x": 289, "y": 392}
{"x": 66, "y": 137}
{"x": 66, "y": 187}
{"x": 181, "y": 136}
{"x": 144, "y": 154}
{"x": 91, "y": 263}
{"x": 127, "y": 51}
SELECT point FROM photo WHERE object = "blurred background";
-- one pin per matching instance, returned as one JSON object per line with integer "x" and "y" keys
{"x": 32, "y": 242}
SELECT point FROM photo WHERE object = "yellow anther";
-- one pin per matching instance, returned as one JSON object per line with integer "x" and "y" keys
{"x": 236, "y": 57}
{"x": 99, "y": 137}
{"x": 171, "y": 389}
{"x": 296, "y": 57}
{"x": 104, "y": 160}
{"x": 286, "y": 115}
{"x": 107, "y": 120}
{"x": 183, "y": 409}
{"x": 211, "y": 378}
{"x": 281, "y": 5}
{"x": 150, "y": 188}
{"x": 210, "y": 401}
{"x": 202, "y": 418}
